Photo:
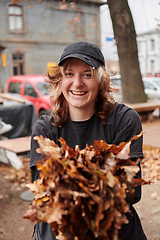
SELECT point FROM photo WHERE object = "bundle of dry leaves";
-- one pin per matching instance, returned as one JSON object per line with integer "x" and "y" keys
{"x": 81, "y": 193}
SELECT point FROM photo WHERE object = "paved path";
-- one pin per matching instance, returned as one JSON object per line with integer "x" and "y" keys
{"x": 152, "y": 133}
{"x": 149, "y": 207}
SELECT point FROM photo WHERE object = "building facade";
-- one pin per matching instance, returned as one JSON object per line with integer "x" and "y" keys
{"x": 149, "y": 52}
{"x": 33, "y": 34}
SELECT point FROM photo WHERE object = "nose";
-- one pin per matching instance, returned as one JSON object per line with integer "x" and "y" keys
{"x": 78, "y": 81}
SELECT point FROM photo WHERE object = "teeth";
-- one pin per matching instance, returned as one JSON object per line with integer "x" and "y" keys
{"x": 78, "y": 93}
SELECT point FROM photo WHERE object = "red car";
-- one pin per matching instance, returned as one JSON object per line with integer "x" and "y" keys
{"x": 32, "y": 88}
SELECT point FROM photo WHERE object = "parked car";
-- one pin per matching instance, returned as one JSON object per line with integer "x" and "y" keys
{"x": 155, "y": 74}
{"x": 152, "y": 87}
{"x": 116, "y": 82}
{"x": 32, "y": 88}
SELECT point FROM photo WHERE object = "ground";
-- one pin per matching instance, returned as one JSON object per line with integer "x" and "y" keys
{"x": 149, "y": 211}
{"x": 12, "y": 207}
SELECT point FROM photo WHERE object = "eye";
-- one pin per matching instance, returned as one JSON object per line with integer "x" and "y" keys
{"x": 68, "y": 74}
{"x": 88, "y": 75}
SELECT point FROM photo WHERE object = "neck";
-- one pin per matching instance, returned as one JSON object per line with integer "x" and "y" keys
{"x": 80, "y": 114}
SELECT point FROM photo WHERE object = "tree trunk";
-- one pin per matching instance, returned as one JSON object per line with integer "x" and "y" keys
{"x": 125, "y": 36}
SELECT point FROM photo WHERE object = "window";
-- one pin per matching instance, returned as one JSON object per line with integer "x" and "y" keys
{"x": 14, "y": 87}
{"x": 15, "y": 14}
{"x": 152, "y": 44}
{"x": 79, "y": 25}
{"x": 139, "y": 44}
{"x": 152, "y": 65}
{"x": 29, "y": 90}
{"x": 148, "y": 85}
{"x": 18, "y": 64}
{"x": 42, "y": 87}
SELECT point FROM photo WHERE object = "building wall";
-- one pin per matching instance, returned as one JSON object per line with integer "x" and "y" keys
{"x": 148, "y": 52}
{"x": 48, "y": 27}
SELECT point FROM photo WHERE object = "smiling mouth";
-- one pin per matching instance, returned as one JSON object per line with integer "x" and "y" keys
{"x": 79, "y": 93}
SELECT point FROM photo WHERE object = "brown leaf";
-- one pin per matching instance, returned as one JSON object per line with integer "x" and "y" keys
{"x": 82, "y": 193}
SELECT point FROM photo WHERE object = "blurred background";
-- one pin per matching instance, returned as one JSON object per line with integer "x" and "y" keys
{"x": 33, "y": 34}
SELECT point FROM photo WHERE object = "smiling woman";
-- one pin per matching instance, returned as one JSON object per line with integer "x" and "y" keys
{"x": 80, "y": 88}
{"x": 84, "y": 110}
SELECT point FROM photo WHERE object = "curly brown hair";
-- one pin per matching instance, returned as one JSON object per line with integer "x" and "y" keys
{"x": 60, "y": 109}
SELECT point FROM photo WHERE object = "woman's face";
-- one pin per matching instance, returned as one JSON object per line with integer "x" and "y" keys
{"x": 79, "y": 86}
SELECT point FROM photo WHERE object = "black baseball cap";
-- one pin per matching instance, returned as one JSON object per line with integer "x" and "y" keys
{"x": 85, "y": 51}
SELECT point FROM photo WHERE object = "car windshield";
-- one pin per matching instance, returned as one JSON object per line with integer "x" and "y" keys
{"x": 157, "y": 83}
{"x": 42, "y": 87}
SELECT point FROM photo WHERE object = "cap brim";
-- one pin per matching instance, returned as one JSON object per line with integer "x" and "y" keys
{"x": 88, "y": 60}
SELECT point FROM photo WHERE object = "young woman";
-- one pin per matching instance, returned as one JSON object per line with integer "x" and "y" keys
{"x": 84, "y": 110}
